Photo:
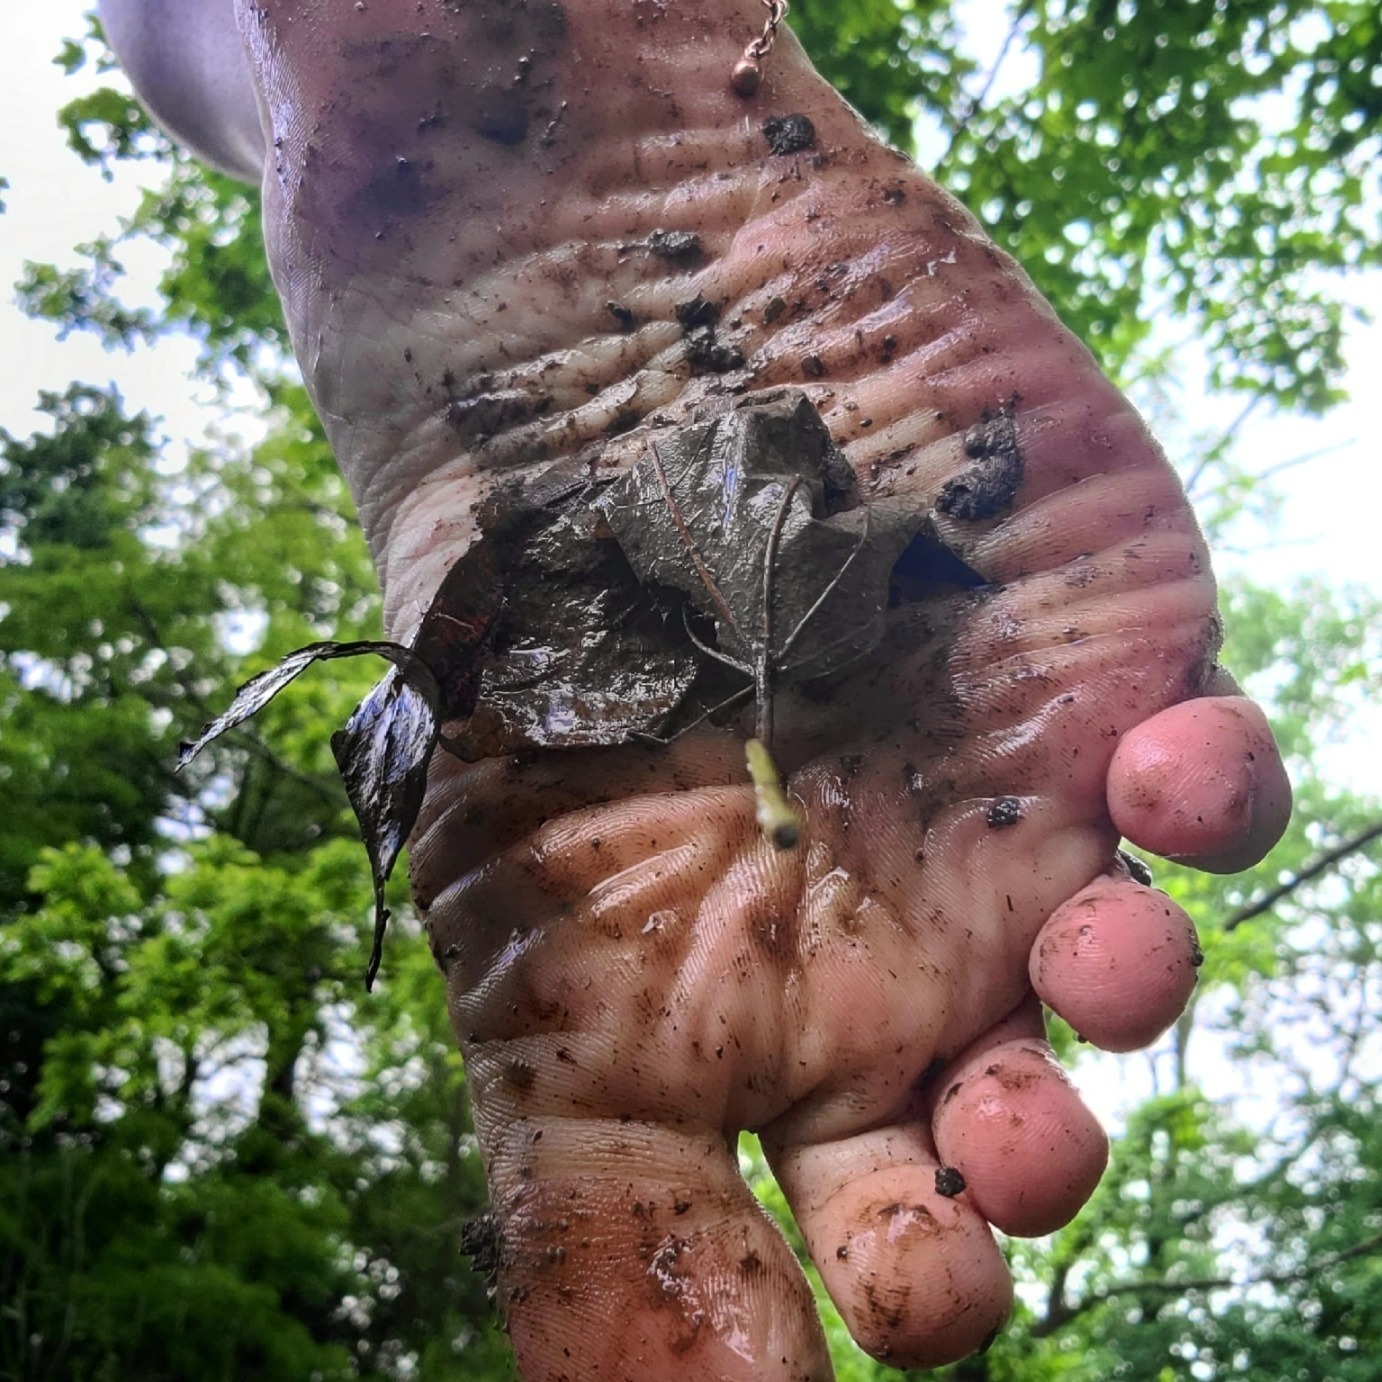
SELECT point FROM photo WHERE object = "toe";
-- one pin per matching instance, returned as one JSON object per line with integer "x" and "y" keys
{"x": 1010, "y": 1122}
{"x": 635, "y": 1250}
{"x": 912, "y": 1268}
{"x": 1201, "y": 783}
{"x": 1118, "y": 962}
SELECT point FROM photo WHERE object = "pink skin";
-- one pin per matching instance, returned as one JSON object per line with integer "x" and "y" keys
{"x": 455, "y": 193}
{"x": 1080, "y": 967}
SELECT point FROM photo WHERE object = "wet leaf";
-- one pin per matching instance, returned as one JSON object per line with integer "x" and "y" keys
{"x": 737, "y": 514}
{"x": 564, "y": 623}
{"x": 382, "y": 754}
{"x": 256, "y": 693}
{"x": 540, "y": 635}
{"x": 543, "y": 636}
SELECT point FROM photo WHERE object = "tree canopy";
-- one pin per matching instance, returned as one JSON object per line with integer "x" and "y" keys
{"x": 219, "y": 1158}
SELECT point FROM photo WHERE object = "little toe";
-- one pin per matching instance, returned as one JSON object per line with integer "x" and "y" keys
{"x": 1201, "y": 783}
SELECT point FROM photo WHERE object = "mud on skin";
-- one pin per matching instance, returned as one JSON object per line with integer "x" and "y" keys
{"x": 456, "y": 194}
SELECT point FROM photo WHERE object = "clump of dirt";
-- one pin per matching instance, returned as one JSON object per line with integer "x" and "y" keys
{"x": 789, "y": 134}
{"x": 706, "y": 353}
{"x": 986, "y": 488}
{"x": 677, "y": 246}
{"x": 696, "y": 312}
{"x": 483, "y": 1243}
{"x": 949, "y": 1182}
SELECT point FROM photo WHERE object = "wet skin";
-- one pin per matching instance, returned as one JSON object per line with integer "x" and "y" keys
{"x": 462, "y": 202}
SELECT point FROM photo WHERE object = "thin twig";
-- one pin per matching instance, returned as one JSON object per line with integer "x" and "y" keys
{"x": 1212, "y": 453}
{"x": 692, "y": 550}
{"x": 1326, "y": 861}
{"x": 1162, "y": 1286}
{"x": 973, "y": 107}
{"x": 1306, "y": 457}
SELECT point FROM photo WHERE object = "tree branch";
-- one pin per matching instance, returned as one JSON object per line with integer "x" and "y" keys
{"x": 1214, "y": 451}
{"x": 1326, "y": 861}
{"x": 1160, "y": 1286}
{"x": 974, "y": 106}
{"x": 255, "y": 747}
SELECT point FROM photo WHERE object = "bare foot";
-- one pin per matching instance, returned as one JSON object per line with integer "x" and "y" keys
{"x": 483, "y": 218}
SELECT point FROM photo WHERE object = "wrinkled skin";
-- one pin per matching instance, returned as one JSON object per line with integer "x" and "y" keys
{"x": 456, "y": 191}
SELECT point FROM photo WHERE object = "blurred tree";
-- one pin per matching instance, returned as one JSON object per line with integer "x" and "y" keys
{"x": 212, "y": 1163}
{"x": 217, "y": 1160}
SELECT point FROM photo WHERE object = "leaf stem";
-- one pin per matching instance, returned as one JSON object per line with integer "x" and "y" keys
{"x": 777, "y": 817}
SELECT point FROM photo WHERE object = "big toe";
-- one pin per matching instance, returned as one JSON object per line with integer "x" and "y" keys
{"x": 913, "y": 1269}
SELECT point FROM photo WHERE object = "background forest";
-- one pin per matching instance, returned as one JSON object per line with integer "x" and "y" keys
{"x": 219, "y": 1158}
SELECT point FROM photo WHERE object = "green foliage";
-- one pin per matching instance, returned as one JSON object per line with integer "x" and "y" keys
{"x": 889, "y": 58}
{"x": 216, "y": 1162}
{"x": 197, "y": 1128}
{"x": 1209, "y": 160}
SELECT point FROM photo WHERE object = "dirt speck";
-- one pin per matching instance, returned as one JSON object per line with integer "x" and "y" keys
{"x": 949, "y": 1182}
{"x": 478, "y": 417}
{"x": 520, "y": 1074}
{"x": 695, "y": 312}
{"x": 674, "y": 1288}
{"x": 482, "y": 1241}
{"x": 676, "y": 246}
{"x": 708, "y": 354}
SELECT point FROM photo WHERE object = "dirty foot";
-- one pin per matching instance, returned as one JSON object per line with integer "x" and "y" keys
{"x": 518, "y": 234}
